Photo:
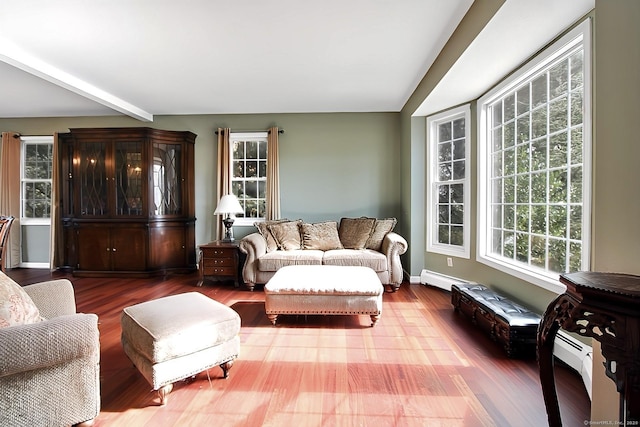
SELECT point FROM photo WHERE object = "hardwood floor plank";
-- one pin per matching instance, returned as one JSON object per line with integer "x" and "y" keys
{"x": 422, "y": 364}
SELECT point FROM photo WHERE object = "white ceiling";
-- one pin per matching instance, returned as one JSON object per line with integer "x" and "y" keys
{"x": 517, "y": 31}
{"x": 154, "y": 57}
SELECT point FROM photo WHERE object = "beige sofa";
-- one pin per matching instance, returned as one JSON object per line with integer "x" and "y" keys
{"x": 367, "y": 242}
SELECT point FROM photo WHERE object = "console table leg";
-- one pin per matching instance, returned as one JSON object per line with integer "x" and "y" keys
{"x": 547, "y": 377}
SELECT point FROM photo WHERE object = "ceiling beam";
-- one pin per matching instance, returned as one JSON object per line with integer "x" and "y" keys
{"x": 16, "y": 57}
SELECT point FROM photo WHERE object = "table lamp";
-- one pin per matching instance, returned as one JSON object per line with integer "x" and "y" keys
{"x": 227, "y": 206}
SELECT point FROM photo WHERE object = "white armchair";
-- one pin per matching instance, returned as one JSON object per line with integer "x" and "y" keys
{"x": 49, "y": 370}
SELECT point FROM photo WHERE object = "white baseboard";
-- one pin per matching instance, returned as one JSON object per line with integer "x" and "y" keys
{"x": 438, "y": 280}
{"x": 414, "y": 280}
{"x": 575, "y": 354}
{"x": 39, "y": 265}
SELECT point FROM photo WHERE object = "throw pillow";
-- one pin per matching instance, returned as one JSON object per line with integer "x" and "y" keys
{"x": 286, "y": 235}
{"x": 16, "y": 306}
{"x": 322, "y": 236}
{"x": 380, "y": 229}
{"x": 263, "y": 229}
{"x": 354, "y": 232}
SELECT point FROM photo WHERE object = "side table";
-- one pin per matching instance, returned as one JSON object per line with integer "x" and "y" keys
{"x": 605, "y": 307}
{"x": 219, "y": 259}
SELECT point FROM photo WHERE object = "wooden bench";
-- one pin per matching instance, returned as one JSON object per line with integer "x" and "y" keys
{"x": 512, "y": 325}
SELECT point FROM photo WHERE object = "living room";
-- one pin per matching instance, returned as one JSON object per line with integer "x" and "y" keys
{"x": 346, "y": 164}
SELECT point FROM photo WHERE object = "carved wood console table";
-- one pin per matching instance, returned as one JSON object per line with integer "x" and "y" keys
{"x": 605, "y": 307}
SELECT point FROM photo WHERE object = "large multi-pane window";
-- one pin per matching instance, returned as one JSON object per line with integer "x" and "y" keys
{"x": 249, "y": 174}
{"x": 534, "y": 165}
{"x": 448, "y": 182}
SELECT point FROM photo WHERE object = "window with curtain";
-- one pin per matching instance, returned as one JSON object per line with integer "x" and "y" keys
{"x": 448, "y": 194}
{"x": 249, "y": 174}
{"x": 534, "y": 165}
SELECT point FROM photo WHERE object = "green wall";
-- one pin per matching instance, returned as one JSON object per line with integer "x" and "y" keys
{"x": 616, "y": 205}
{"x": 615, "y": 230}
{"x": 331, "y": 164}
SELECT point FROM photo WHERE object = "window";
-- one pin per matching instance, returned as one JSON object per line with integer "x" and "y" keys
{"x": 534, "y": 165}
{"x": 37, "y": 167}
{"x": 35, "y": 195}
{"x": 249, "y": 174}
{"x": 448, "y": 183}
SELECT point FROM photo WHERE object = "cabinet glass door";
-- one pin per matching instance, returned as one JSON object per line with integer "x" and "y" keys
{"x": 128, "y": 178}
{"x": 93, "y": 179}
{"x": 167, "y": 179}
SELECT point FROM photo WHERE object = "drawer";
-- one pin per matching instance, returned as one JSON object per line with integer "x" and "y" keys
{"x": 218, "y": 252}
{"x": 219, "y": 271}
{"x": 218, "y": 262}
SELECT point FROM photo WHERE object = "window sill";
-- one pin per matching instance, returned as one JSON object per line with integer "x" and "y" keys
{"x": 538, "y": 279}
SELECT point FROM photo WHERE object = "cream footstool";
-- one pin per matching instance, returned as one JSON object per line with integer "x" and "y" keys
{"x": 175, "y": 337}
{"x": 324, "y": 289}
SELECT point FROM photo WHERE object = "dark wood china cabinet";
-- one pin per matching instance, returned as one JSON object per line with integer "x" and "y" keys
{"x": 127, "y": 201}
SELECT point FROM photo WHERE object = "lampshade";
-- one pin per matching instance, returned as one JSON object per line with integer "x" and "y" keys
{"x": 228, "y": 204}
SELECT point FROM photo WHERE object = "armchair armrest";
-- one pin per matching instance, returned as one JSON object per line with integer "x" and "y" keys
{"x": 394, "y": 245}
{"x": 254, "y": 246}
{"x": 49, "y": 343}
{"x": 53, "y": 298}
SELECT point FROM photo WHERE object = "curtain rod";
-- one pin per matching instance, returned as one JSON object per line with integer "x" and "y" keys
{"x": 249, "y": 131}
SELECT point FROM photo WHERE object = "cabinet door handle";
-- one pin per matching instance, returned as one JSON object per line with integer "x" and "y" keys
{"x": 114, "y": 249}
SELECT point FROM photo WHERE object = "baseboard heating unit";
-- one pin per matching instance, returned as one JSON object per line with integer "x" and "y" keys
{"x": 573, "y": 352}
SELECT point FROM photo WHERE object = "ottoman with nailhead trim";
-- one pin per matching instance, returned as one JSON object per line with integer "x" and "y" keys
{"x": 176, "y": 337}
{"x": 324, "y": 289}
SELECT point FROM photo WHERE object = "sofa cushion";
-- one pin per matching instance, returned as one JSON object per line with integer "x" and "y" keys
{"x": 380, "y": 229}
{"x": 16, "y": 307}
{"x": 321, "y": 235}
{"x": 354, "y": 232}
{"x": 286, "y": 235}
{"x": 263, "y": 229}
{"x": 356, "y": 257}
{"x": 275, "y": 260}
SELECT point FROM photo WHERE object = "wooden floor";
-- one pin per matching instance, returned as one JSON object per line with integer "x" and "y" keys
{"x": 421, "y": 365}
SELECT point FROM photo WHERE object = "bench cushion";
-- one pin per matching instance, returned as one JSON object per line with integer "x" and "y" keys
{"x": 509, "y": 323}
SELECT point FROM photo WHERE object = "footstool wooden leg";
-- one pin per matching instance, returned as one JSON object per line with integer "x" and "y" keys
{"x": 374, "y": 319}
{"x": 226, "y": 366}
{"x": 163, "y": 393}
{"x": 273, "y": 318}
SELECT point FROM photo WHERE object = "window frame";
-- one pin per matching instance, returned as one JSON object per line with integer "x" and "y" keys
{"x": 246, "y": 136}
{"x": 580, "y": 34}
{"x": 26, "y": 141}
{"x": 433, "y": 140}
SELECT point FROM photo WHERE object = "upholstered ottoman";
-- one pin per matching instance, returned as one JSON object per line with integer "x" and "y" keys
{"x": 175, "y": 337}
{"x": 324, "y": 289}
